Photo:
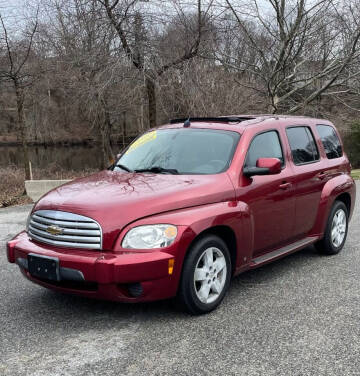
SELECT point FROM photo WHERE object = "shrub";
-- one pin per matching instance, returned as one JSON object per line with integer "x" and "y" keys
{"x": 352, "y": 143}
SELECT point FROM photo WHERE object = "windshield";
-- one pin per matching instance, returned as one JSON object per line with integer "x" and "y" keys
{"x": 180, "y": 151}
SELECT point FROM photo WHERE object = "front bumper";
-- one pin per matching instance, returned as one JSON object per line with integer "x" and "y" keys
{"x": 121, "y": 276}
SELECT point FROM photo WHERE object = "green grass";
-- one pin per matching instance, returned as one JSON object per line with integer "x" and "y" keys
{"x": 355, "y": 174}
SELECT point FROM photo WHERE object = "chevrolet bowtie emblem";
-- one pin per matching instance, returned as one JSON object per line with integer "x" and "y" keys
{"x": 54, "y": 230}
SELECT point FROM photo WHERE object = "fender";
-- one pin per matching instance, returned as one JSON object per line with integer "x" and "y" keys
{"x": 191, "y": 222}
{"x": 332, "y": 189}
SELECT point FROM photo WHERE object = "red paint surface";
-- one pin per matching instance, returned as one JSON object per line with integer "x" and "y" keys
{"x": 264, "y": 213}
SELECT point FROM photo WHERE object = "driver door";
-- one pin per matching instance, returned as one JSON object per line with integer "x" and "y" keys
{"x": 270, "y": 197}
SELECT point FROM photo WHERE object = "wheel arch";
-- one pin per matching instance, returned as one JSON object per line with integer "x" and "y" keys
{"x": 342, "y": 188}
{"x": 346, "y": 199}
{"x": 225, "y": 233}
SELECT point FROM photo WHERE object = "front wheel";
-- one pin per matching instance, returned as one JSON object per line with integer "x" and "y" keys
{"x": 206, "y": 275}
{"x": 336, "y": 230}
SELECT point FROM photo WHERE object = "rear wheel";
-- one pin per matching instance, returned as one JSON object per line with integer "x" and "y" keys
{"x": 205, "y": 276}
{"x": 336, "y": 230}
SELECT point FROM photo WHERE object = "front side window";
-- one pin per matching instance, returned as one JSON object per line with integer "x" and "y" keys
{"x": 302, "y": 144}
{"x": 181, "y": 151}
{"x": 330, "y": 140}
{"x": 264, "y": 145}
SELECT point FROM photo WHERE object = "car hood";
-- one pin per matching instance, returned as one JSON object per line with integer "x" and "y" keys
{"x": 115, "y": 199}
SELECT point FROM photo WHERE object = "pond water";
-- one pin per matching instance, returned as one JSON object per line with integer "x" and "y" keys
{"x": 74, "y": 158}
{"x": 80, "y": 157}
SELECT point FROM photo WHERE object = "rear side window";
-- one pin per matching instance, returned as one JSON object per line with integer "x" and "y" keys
{"x": 302, "y": 144}
{"x": 264, "y": 145}
{"x": 330, "y": 140}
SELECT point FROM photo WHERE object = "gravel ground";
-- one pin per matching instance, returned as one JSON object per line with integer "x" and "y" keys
{"x": 297, "y": 316}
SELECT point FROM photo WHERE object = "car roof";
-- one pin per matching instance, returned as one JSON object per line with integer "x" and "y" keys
{"x": 238, "y": 123}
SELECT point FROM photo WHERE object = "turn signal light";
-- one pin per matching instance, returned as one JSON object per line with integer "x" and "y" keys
{"x": 171, "y": 266}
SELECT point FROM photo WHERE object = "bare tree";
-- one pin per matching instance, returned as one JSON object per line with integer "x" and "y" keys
{"x": 92, "y": 76}
{"x": 299, "y": 49}
{"x": 15, "y": 56}
{"x": 126, "y": 14}
{"x": 97, "y": 70}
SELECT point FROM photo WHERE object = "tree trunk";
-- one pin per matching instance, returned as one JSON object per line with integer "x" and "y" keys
{"x": 22, "y": 127}
{"x": 124, "y": 135}
{"x": 104, "y": 159}
{"x": 106, "y": 149}
{"x": 107, "y": 139}
{"x": 151, "y": 94}
{"x": 104, "y": 126}
{"x": 105, "y": 132}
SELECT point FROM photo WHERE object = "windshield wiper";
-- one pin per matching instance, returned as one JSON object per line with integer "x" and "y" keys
{"x": 123, "y": 167}
{"x": 158, "y": 169}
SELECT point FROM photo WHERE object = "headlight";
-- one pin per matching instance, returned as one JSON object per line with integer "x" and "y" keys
{"x": 150, "y": 236}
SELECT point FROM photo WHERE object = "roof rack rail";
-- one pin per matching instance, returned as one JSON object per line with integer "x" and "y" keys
{"x": 223, "y": 119}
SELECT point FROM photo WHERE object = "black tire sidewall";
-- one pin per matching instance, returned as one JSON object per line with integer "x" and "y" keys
{"x": 328, "y": 244}
{"x": 187, "y": 290}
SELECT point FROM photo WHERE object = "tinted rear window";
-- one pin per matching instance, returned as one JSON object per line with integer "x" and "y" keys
{"x": 330, "y": 140}
{"x": 302, "y": 144}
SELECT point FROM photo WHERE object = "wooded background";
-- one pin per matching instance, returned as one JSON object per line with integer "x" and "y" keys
{"x": 104, "y": 70}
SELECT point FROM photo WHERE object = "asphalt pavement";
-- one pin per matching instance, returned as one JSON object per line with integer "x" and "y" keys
{"x": 297, "y": 316}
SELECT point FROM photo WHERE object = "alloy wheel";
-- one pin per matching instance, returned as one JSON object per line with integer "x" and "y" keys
{"x": 338, "y": 228}
{"x": 210, "y": 275}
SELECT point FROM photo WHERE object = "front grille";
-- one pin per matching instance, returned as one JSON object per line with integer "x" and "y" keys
{"x": 63, "y": 229}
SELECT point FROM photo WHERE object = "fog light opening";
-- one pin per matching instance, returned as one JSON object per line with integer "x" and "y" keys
{"x": 135, "y": 289}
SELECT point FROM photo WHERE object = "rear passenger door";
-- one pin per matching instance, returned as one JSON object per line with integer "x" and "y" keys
{"x": 309, "y": 178}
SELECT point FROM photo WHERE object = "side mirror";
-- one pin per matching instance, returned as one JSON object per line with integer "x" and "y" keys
{"x": 264, "y": 166}
{"x": 273, "y": 164}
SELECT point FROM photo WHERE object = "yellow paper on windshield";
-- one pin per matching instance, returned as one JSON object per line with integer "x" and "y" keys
{"x": 147, "y": 137}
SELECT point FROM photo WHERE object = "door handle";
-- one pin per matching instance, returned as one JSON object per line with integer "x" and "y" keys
{"x": 285, "y": 185}
{"x": 321, "y": 175}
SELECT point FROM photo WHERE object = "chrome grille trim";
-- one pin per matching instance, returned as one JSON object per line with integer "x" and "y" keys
{"x": 80, "y": 239}
{"x": 68, "y": 231}
{"x": 77, "y": 231}
{"x": 64, "y": 224}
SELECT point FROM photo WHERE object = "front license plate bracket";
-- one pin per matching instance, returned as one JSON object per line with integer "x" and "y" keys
{"x": 44, "y": 267}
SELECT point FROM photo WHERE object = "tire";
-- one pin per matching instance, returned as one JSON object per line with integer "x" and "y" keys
{"x": 205, "y": 276}
{"x": 334, "y": 239}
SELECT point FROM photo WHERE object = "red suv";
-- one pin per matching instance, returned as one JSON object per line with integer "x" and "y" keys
{"x": 189, "y": 205}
